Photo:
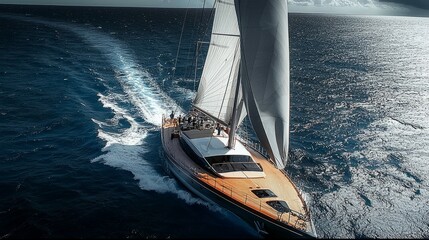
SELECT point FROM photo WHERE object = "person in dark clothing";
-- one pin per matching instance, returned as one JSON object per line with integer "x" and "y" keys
{"x": 218, "y": 128}
{"x": 172, "y": 115}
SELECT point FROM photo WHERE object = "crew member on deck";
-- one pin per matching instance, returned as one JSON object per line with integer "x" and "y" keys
{"x": 218, "y": 128}
{"x": 172, "y": 115}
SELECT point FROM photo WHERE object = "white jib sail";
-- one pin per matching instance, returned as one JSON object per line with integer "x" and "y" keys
{"x": 265, "y": 72}
{"x": 216, "y": 89}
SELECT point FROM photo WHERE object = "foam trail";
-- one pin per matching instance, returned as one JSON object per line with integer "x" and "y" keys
{"x": 137, "y": 83}
{"x": 123, "y": 150}
{"x": 123, "y": 147}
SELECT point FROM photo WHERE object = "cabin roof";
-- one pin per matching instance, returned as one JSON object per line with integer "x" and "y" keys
{"x": 212, "y": 145}
{"x": 196, "y": 133}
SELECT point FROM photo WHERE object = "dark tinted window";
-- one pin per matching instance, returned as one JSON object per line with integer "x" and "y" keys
{"x": 280, "y": 206}
{"x": 263, "y": 193}
{"x": 231, "y": 163}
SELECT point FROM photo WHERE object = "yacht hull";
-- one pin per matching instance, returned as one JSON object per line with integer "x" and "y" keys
{"x": 265, "y": 226}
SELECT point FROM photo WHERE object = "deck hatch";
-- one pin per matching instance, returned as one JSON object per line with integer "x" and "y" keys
{"x": 263, "y": 193}
{"x": 280, "y": 206}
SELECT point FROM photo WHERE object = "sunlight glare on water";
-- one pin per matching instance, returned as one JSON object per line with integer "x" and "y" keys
{"x": 382, "y": 188}
{"x": 83, "y": 91}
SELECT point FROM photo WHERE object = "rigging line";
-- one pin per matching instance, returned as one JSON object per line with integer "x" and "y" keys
{"x": 202, "y": 13}
{"x": 201, "y": 23}
{"x": 180, "y": 41}
{"x": 194, "y": 37}
{"x": 211, "y": 17}
{"x": 178, "y": 48}
{"x": 198, "y": 30}
{"x": 190, "y": 46}
{"x": 198, "y": 45}
{"x": 199, "y": 42}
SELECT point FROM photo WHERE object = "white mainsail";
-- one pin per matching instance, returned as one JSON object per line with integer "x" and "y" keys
{"x": 257, "y": 41}
{"x": 216, "y": 90}
{"x": 264, "y": 43}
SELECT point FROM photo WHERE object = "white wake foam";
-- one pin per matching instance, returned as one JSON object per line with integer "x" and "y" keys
{"x": 124, "y": 150}
{"x": 141, "y": 89}
{"x": 124, "y": 147}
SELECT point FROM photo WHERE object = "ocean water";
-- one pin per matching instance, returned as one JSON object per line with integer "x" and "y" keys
{"x": 82, "y": 92}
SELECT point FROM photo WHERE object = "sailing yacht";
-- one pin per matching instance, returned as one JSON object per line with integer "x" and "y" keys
{"x": 246, "y": 73}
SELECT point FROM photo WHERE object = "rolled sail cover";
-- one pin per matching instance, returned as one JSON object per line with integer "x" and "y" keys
{"x": 264, "y": 41}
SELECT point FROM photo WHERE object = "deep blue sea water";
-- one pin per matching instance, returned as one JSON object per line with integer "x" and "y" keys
{"x": 82, "y": 91}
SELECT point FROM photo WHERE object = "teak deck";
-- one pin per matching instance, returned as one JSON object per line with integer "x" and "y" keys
{"x": 239, "y": 189}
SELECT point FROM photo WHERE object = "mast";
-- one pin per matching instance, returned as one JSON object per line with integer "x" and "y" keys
{"x": 234, "y": 122}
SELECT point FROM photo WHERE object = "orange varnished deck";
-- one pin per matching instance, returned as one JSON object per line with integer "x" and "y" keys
{"x": 240, "y": 189}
